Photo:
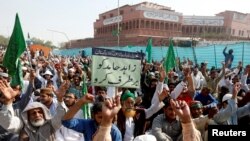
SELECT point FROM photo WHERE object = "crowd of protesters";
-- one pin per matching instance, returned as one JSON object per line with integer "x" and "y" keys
{"x": 169, "y": 106}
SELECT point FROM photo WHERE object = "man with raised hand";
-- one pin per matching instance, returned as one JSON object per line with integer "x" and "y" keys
{"x": 35, "y": 122}
{"x": 189, "y": 132}
{"x": 89, "y": 126}
{"x": 229, "y": 57}
{"x": 110, "y": 109}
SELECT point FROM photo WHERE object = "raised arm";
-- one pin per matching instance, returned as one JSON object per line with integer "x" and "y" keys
{"x": 204, "y": 72}
{"x": 244, "y": 78}
{"x": 88, "y": 98}
{"x": 222, "y": 73}
{"x": 190, "y": 133}
{"x": 110, "y": 109}
{"x": 189, "y": 79}
{"x": 159, "y": 95}
{"x": 27, "y": 96}
{"x": 177, "y": 90}
{"x": 38, "y": 74}
{"x": 159, "y": 86}
{"x": 9, "y": 120}
{"x": 223, "y": 115}
{"x": 61, "y": 108}
{"x": 224, "y": 51}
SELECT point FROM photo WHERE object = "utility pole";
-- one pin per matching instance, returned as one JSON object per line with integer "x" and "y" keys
{"x": 63, "y": 34}
{"x": 118, "y": 24}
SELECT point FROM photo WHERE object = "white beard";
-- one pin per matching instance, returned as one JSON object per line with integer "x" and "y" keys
{"x": 37, "y": 123}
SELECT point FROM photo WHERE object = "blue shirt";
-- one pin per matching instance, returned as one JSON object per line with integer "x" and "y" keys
{"x": 206, "y": 100}
{"x": 88, "y": 127}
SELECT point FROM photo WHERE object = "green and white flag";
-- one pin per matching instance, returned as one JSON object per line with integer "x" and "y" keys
{"x": 14, "y": 50}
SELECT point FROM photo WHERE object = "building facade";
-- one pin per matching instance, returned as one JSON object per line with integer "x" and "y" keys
{"x": 202, "y": 26}
{"x": 236, "y": 24}
{"x": 134, "y": 24}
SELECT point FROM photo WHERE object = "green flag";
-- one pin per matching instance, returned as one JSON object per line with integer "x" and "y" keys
{"x": 17, "y": 78}
{"x": 85, "y": 107}
{"x": 149, "y": 50}
{"x": 115, "y": 32}
{"x": 169, "y": 62}
{"x": 14, "y": 50}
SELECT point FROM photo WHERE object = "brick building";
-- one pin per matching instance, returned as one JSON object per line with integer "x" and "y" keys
{"x": 140, "y": 21}
{"x": 236, "y": 24}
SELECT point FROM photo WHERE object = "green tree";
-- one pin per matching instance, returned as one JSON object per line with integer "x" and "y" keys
{"x": 42, "y": 42}
{"x": 48, "y": 44}
{"x": 4, "y": 41}
{"x": 37, "y": 41}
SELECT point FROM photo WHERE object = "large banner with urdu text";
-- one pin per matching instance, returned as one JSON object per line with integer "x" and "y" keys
{"x": 115, "y": 68}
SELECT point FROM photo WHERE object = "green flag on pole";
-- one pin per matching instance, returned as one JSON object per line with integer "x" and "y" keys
{"x": 149, "y": 50}
{"x": 85, "y": 107}
{"x": 115, "y": 32}
{"x": 17, "y": 78}
{"x": 169, "y": 62}
{"x": 14, "y": 50}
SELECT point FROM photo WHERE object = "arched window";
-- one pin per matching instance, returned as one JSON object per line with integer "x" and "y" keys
{"x": 162, "y": 26}
{"x": 142, "y": 24}
{"x": 147, "y": 24}
{"x": 152, "y": 25}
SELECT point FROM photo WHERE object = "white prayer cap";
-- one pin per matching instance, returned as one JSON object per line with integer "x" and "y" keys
{"x": 145, "y": 138}
{"x": 4, "y": 74}
{"x": 48, "y": 72}
{"x": 226, "y": 97}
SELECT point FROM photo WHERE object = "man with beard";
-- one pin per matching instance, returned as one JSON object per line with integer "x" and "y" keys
{"x": 166, "y": 126}
{"x": 213, "y": 79}
{"x": 35, "y": 123}
{"x": 111, "y": 108}
{"x": 189, "y": 132}
{"x": 47, "y": 98}
{"x": 131, "y": 120}
{"x": 75, "y": 87}
{"x": 71, "y": 73}
{"x": 70, "y": 99}
{"x": 148, "y": 94}
{"x": 20, "y": 101}
{"x": 66, "y": 134}
{"x": 200, "y": 120}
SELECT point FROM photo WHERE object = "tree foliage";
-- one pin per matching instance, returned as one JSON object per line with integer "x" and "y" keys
{"x": 4, "y": 41}
{"x": 42, "y": 42}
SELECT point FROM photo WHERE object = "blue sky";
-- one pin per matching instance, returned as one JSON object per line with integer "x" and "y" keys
{"x": 75, "y": 18}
